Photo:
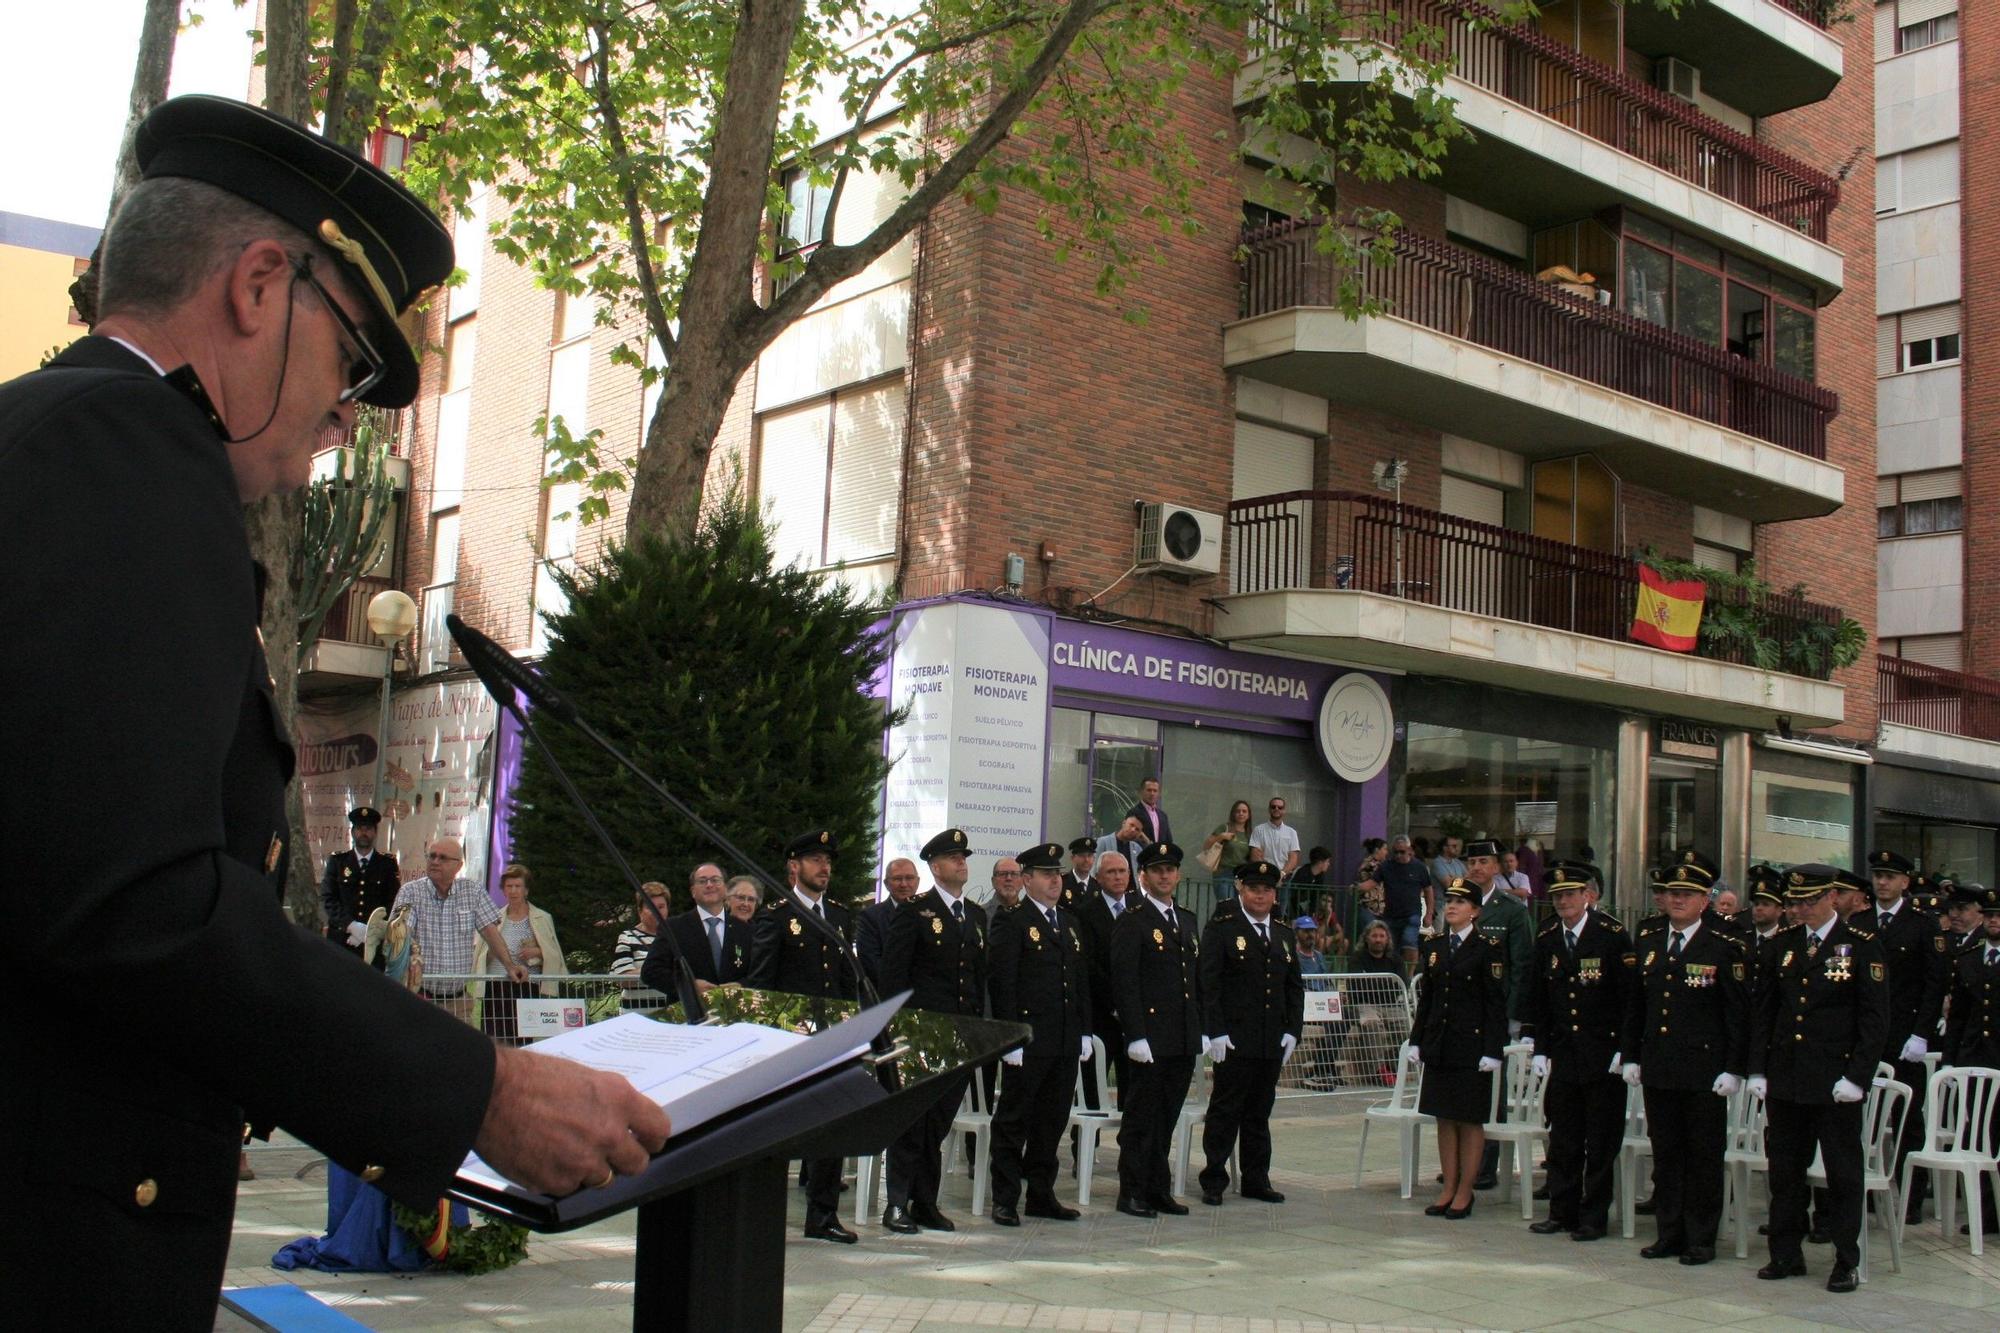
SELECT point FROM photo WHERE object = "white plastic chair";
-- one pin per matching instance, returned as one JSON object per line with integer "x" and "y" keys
{"x": 1524, "y": 1135}
{"x": 1088, "y": 1121}
{"x": 1958, "y": 1144}
{"x": 974, "y": 1118}
{"x": 1742, "y": 1157}
{"x": 1881, "y": 1130}
{"x": 1636, "y": 1148}
{"x": 868, "y": 1169}
{"x": 1400, "y": 1111}
{"x": 1194, "y": 1114}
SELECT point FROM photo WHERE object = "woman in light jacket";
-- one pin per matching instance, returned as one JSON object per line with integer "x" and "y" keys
{"x": 531, "y": 937}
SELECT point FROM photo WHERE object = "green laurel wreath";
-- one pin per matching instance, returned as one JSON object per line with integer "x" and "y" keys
{"x": 485, "y": 1248}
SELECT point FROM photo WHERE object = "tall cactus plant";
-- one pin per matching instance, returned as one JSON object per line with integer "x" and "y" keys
{"x": 344, "y": 524}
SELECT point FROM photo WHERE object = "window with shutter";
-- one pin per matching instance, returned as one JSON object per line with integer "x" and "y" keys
{"x": 1929, "y": 176}
{"x": 791, "y": 481}
{"x": 1930, "y": 337}
{"x": 1938, "y": 650}
{"x": 867, "y": 474}
{"x": 1886, "y": 347}
{"x": 1912, "y": 12}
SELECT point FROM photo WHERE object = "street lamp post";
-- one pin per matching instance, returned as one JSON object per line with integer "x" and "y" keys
{"x": 391, "y": 617}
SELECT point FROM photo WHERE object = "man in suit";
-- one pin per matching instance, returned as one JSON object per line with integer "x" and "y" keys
{"x": 1817, "y": 1037}
{"x": 1076, "y": 881}
{"x": 1254, "y": 1001}
{"x": 357, "y": 881}
{"x": 1156, "y": 985}
{"x": 250, "y": 291}
{"x": 1039, "y": 976}
{"x": 1154, "y": 826}
{"x": 1110, "y": 898}
{"x": 1129, "y": 839}
{"x": 1685, "y": 1041}
{"x": 937, "y": 952}
{"x": 716, "y": 944}
{"x": 1582, "y": 974}
{"x": 1917, "y": 954}
{"x": 871, "y": 923}
{"x": 787, "y": 954}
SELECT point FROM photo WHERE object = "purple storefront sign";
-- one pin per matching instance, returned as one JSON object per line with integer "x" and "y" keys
{"x": 1156, "y": 670}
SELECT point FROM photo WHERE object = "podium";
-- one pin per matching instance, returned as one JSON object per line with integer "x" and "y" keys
{"x": 712, "y": 1205}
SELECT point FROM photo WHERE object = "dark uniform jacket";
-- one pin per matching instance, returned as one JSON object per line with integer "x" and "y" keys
{"x": 132, "y": 649}
{"x": 1461, "y": 1013}
{"x": 1766, "y": 953}
{"x": 1156, "y": 978}
{"x": 1251, "y": 991}
{"x": 1040, "y": 975}
{"x": 1972, "y": 1032}
{"x": 941, "y": 963}
{"x": 1688, "y": 1019}
{"x": 1094, "y": 921}
{"x": 1918, "y": 956}
{"x": 1505, "y": 921}
{"x": 786, "y": 954}
{"x": 871, "y": 937}
{"x": 1577, "y": 1002}
{"x": 348, "y": 892}
{"x": 659, "y": 971}
{"x": 1075, "y": 890}
{"x": 1822, "y": 1018}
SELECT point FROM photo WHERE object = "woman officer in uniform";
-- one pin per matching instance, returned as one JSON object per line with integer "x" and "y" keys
{"x": 1460, "y": 1029}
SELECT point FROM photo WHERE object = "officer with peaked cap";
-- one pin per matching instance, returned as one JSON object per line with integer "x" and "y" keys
{"x": 1156, "y": 985}
{"x": 1918, "y": 957}
{"x": 1078, "y": 880}
{"x": 1972, "y": 1030}
{"x": 1765, "y": 887}
{"x": 357, "y": 881}
{"x": 249, "y": 294}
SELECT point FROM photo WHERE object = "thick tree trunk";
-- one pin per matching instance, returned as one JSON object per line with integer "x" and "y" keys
{"x": 666, "y": 494}
{"x": 157, "y": 34}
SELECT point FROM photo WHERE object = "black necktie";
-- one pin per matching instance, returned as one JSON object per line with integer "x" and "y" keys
{"x": 1812, "y": 949}
{"x": 1674, "y": 949}
{"x": 1570, "y": 935}
{"x": 715, "y": 942}
{"x": 1992, "y": 954}
{"x": 1264, "y": 934}
{"x": 1451, "y": 949}
{"x": 958, "y": 910}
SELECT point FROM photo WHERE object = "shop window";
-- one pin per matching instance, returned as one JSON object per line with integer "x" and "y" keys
{"x": 1963, "y": 852}
{"x": 1919, "y": 504}
{"x": 1548, "y": 795}
{"x": 1801, "y": 810}
{"x": 1576, "y": 502}
{"x": 1206, "y": 769}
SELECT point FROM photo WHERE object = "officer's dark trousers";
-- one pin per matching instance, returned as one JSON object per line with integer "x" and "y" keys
{"x": 1791, "y": 1132}
{"x": 1151, "y": 1107}
{"x": 1240, "y": 1104}
{"x": 916, "y": 1158}
{"x": 1035, "y": 1098}
{"x": 822, "y": 1190}
{"x": 1914, "y": 1076}
{"x": 1687, "y": 1130}
{"x": 1586, "y": 1129}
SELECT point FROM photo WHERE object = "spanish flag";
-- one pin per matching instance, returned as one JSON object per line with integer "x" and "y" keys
{"x": 1668, "y": 614}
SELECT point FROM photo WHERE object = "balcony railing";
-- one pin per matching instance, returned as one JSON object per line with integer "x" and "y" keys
{"x": 1469, "y": 296}
{"x": 1913, "y": 694}
{"x": 1534, "y": 70}
{"x": 1370, "y": 543}
{"x": 1819, "y": 13}
{"x": 347, "y": 620}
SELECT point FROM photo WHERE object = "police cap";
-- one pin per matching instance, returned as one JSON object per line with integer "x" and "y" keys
{"x": 1043, "y": 856}
{"x": 1078, "y": 846}
{"x": 364, "y": 814}
{"x": 1893, "y": 862}
{"x": 818, "y": 841}
{"x": 1692, "y": 870}
{"x": 1258, "y": 871}
{"x": 1159, "y": 854}
{"x": 1564, "y": 876}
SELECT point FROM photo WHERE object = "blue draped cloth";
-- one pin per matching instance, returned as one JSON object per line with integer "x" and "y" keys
{"x": 361, "y": 1233}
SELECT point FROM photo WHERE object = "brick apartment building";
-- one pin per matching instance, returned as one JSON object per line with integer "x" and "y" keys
{"x": 1380, "y": 567}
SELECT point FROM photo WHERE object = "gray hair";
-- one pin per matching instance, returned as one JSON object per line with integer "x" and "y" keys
{"x": 171, "y": 235}
{"x": 1105, "y": 857}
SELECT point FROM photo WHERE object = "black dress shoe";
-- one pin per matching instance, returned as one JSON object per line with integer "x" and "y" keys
{"x": 1763, "y": 1228}
{"x": 1132, "y": 1207}
{"x": 1644, "y": 1208}
{"x": 1660, "y": 1250}
{"x": 1841, "y": 1279}
{"x": 1055, "y": 1212}
{"x": 1168, "y": 1204}
{"x": 1697, "y": 1255}
{"x": 1213, "y": 1198}
{"x": 830, "y": 1229}
{"x": 1486, "y": 1183}
{"x": 929, "y": 1218}
{"x": 1548, "y": 1226}
{"x": 897, "y": 1219}
{"x": 1263, "y": 1194}
{"x": 1819, "y": 1236}
{"x": 1782, "y": 1268}
{"x": 1004, "y": 1214}
{"x": 1587, "y": 1233}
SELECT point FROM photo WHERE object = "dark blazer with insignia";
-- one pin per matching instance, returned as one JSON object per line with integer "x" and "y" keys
{"x": 1094, "y": 921}
{"x": 1156, "y": 978}
{"x": 1577, "y": 1001}
{"x": 941, "y": 963}
{"x": 1822, "y": 1018}
{"x": 1074, "y": 890}
{"x": 1251, "y": 991}
{"x": 348, "y": 891}
{"x": 1040, "y": 975}
{"x": 1688, "y": 1019}
{"x": 132, "y": 648}
{"x": 871, "y": 936}
{"x": 1972, "y": 1032}
{"x": 787, "y": 954}
{"x": 1767, "y": 952}
{"x": 659, "y": 972}
{"x": 1462, "y": 1006}
{"x": 1918, "y": 956}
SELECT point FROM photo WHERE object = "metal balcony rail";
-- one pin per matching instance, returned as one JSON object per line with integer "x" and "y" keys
{"x": 1819, "y": 13}
{"x": 347, "y": 621}
{"x": 1469, "y": 296}
{"x": 1915, "y": 694}
{"x": 1369, "y": 543}
{"x": 1536, "y": 71}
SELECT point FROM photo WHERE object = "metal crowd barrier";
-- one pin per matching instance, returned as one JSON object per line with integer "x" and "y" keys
{"x": 1355, "y": 1024}
{"x": 543, "y": 1007}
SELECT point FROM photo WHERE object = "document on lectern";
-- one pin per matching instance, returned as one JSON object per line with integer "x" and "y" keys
{"x": 696, "y": 1073}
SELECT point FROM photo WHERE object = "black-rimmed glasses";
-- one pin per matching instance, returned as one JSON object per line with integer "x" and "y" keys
{"x": 365, "y": 366}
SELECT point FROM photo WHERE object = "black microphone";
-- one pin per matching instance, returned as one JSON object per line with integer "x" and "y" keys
{"x": 499, "y": 669}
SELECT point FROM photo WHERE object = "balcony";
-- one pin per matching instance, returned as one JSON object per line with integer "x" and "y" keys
{"x": 1916, "y": 696}
{"x": 1759, "y": 56}
{"x": 346, "y": 650}
{"x": 1472, "y": 347}
{"x": 1591, "y": 138}
{"x": 1358, "y": 578}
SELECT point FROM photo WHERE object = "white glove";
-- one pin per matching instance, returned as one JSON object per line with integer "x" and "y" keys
{"x": 1488, "y": 1065}
{"x": 1539, "y": 1066}
{"x": 1218, "y": 1047}
{"x": 1085, "y": 1052}
{"x": 1011, "y": 1058}
{"x": 1845, "y": 1092}
{"x": 1287, "y": 1043}
{"x": 1514, "y": 1030}
{"x": 1140, "y": 1051}
{"x": 1760, "y": 1087}
{"x": 1726, "y": 1085}
{"x": 1417, "y": 1056}
{"x": 1915, "y": 1049}
{"x": 1632, "y": 1075}
{"x": 1617, "y": 1062}
{"x": 357, "y": 933}
{"x": 1529, "y": 1042}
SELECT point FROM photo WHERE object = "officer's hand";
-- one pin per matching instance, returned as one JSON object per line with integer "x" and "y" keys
{"x": 1617, "y": 1062}
{"x": 555, "y": 1126}
{"x": 1488, "y": 1065}
{"x": 1218, "y": 1048}
{"x": 1539, "y": 1066}
{"x": 357, "y": 933}
{"x": 1085, "y": 1053}
{"x": 1759, "y": 1086}
{"x": 1529, "y": 1042}
{"x": 1288, "y": 1043}
{"x": 1915, "y": 1049}
{"x": 1011, "y": 1058}
{"x": 1845, "y": 1091}
{"x": 1417, "y": 1056}
{"x": 1726, "y": 1085}
{"x": 1632, "y": 1076}
{"x": 1139, "y": 1052}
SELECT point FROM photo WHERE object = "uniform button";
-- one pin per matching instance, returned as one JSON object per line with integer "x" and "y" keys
{"x": 146, "y": 1193}
{"x": 371, "y": 1174}
{"x": 1798, "y": 1036}
{"x": 1663, "y": 1027}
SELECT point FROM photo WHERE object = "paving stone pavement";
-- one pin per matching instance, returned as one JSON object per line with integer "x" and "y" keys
{"x": 1332, "y": 1256}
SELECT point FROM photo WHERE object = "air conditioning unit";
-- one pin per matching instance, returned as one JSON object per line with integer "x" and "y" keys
{"x": 1176, "y": 540}
{"x": 1674, "y": 75}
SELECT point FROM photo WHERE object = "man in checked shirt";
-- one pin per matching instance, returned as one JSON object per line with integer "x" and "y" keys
{"x": 447, "y": 911}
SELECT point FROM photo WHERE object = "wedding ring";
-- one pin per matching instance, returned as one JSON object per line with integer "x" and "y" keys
{"x": 608, "y": 1175}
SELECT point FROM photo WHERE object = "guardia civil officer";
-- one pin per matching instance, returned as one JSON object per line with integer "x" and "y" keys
{"x": 1254, "y": 998}
{"x": 1818, "y": 1035}
{"x": 1458, "y": 1035}
{"x": 1580, "y": 984}
{"x": 1917, "y": 956}
{"x": 1038, "y": 975}
{"x": 788, "y": 955}
{"x": 250, "y": 290}
{"x": 1156, "y": 982}
{"x": 357, "y": 881}
{"x": 937, "y": 952}
{"x": 1686, "y": 1042}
